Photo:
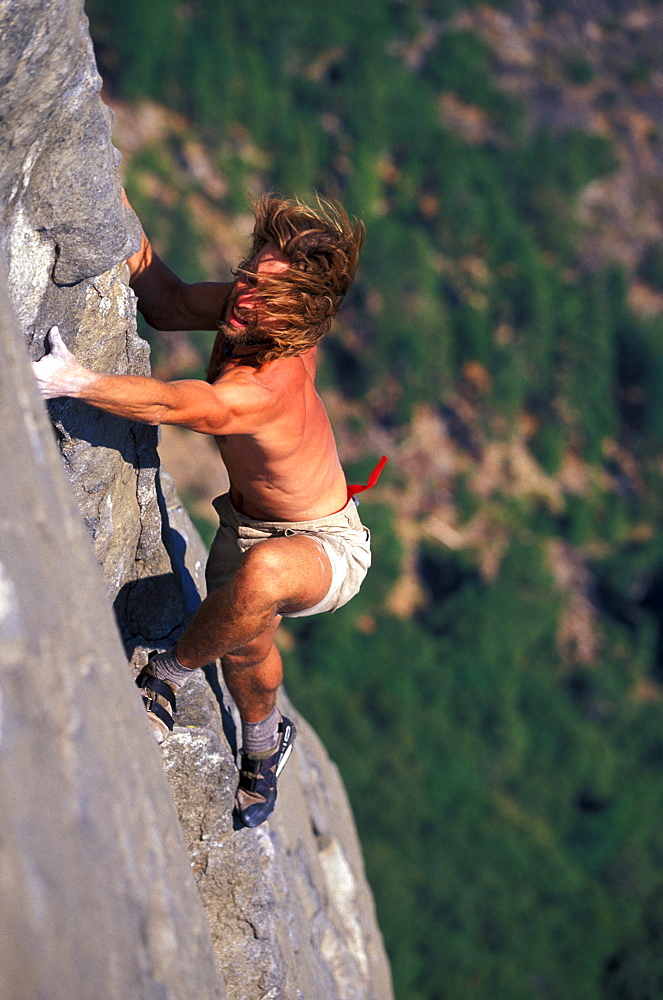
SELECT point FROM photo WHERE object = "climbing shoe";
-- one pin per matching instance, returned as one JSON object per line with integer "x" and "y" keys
{"x": 256, "y": 793}
{"x": 159, "y": 700}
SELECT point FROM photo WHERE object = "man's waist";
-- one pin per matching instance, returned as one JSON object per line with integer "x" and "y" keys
{"x": 345, "y": 515}
{"x": 284, "y": 509}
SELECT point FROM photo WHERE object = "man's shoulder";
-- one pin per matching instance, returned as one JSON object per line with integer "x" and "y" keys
{"x": 238, "y": 381}
{"x": 293, "y": 369}
{"x": 281, "y": 379}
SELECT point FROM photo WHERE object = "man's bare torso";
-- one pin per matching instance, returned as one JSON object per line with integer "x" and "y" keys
{"x": 286, "y": 468}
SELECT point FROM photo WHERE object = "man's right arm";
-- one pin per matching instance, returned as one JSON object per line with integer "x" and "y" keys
{"x": 166, "y": 302}
{"x": 236, "y": 406}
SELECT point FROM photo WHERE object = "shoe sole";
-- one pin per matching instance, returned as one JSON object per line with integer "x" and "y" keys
{"x": 283, "y": 761}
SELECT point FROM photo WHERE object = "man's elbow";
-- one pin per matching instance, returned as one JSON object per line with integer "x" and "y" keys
{"x": 155, "y": 318}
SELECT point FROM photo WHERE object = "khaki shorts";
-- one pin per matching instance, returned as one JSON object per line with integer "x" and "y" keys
{"x": 344, "y": 538}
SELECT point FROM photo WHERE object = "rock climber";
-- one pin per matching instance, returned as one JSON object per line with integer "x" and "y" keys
{"x": 290, "y": 541}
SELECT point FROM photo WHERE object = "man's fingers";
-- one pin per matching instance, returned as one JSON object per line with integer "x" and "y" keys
{"x": 58, "y": 373}
{"x": 57, "y": 346}
{"x": 54, "y": 338}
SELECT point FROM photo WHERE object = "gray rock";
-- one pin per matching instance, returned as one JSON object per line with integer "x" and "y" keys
{"x": 66, "y": 234}
{"x": 55, "y": 146}
{"x": 99, "y": 898}
{"x": 289, "y": 908}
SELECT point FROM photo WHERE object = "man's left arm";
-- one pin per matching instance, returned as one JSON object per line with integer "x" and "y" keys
{"x": 167, "y": 302}
{"x": 190, "y": 403}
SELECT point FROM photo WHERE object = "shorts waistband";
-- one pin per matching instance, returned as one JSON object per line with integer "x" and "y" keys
{"x": 347, "y": 516}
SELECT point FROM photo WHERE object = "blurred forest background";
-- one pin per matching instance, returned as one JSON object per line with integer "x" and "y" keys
{"x": 494, "y": 696}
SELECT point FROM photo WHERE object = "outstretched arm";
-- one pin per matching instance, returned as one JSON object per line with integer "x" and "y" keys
{"x": 166, "y": 302}
{"x": 191, "y": 403}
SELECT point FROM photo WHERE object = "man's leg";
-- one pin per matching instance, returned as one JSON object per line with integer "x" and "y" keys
{"x": 275, "y": 576}
{"x": 237, "y": 623}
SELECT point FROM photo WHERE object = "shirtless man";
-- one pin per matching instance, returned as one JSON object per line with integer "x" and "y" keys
{"x": 290, "y": 542}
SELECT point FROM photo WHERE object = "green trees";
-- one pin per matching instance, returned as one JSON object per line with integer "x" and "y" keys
{"x": 508, "y": 814}
{"x": 464, "y": 239}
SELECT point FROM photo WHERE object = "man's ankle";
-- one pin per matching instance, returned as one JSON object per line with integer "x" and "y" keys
{"x": 260, "y": 739}
{"x": 168, "y": 668}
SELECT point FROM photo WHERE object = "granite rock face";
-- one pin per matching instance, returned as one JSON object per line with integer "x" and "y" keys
{"x": 289, "y": 909}
{"x": 97, "y": 900}
{"x": 65, "y": 234}
{"x": 98, "y": 890}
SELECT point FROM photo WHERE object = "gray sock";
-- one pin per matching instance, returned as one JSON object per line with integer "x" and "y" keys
{"x": 167, "y": 667}
{"x": 260, "y": 739}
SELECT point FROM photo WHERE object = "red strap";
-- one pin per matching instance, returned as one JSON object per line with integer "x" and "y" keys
{"x": 372, "y": 479}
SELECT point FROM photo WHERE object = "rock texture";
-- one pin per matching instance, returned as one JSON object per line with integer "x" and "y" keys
{"x": 288, "y": 905}
{"x": 98, "y": 896}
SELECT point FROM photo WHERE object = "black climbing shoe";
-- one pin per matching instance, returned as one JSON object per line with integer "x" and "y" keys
{"x": 256, "y": 794}
{"x": 159, "y": 700}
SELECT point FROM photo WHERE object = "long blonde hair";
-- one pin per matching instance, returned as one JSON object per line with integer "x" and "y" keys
{"x": 322, "y": 247}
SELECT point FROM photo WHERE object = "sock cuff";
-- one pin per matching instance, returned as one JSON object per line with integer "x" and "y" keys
{"x": 261, "y": 738}
{"x": 167, "y": 667}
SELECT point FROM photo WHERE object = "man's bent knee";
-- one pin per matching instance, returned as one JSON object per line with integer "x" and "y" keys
{"x": 286, "y": 573}
{"x": 264, "y": 573}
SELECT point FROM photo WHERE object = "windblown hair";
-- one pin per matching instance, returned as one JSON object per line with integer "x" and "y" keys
{"x": 322, "y": 247}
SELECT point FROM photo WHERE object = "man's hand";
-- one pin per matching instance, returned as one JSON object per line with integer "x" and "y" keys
{"x": 59, "y": 373}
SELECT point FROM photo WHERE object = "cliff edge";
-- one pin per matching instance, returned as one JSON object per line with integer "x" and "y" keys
{"x": 99, "y": 894}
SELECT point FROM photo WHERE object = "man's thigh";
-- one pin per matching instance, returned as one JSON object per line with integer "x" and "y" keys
{"x": 225, "y": 558}
{"x": 299, "y": 562}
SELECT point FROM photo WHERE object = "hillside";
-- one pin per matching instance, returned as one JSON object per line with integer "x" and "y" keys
{"x": 493, "y": 697}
